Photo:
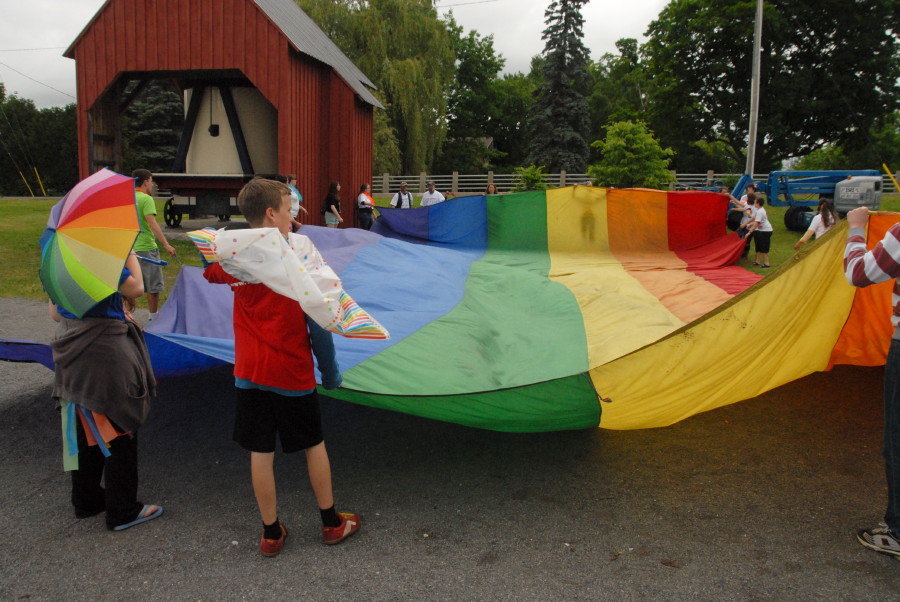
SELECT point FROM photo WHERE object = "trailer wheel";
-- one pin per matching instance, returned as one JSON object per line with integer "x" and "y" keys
{"x": 173, "y": 219}
{"x": 797, "y": 219}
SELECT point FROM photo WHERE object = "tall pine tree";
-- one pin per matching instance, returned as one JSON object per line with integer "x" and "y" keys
{"x": 151, "y": 127}
{"x": 559, "y": 120}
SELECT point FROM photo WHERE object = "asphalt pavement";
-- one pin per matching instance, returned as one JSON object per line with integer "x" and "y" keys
{"x": 755, "y": 501}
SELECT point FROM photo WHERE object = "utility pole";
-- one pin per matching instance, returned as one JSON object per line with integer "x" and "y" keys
{"x": 754, "y": 89}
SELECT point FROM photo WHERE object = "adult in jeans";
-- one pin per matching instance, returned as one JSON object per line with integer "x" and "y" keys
{"x": 365, "y": 205}
{"x": 863, "y": 268}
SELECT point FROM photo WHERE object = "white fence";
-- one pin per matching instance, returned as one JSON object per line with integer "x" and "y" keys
{"x": 463, "y": 183}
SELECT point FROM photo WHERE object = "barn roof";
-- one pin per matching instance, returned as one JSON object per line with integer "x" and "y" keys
{"x": 303, "y": 34}
{"x": 306, "y": 37}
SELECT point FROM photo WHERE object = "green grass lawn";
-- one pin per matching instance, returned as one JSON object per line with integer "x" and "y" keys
{"x": 23, "y": 220}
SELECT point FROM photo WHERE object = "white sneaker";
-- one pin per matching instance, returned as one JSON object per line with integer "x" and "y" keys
{"x": 881, "y": 539}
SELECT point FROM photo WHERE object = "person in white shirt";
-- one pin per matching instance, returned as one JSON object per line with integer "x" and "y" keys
{"x": 747, "y": 205}
{"x": 402, "y": 199}
{"x": 296, "y": 200}
{"x": 821, "y": 223}
{"x": 364, "y": 206}
{"x": 761, "y": 230}
{"x": 431, "y": 196}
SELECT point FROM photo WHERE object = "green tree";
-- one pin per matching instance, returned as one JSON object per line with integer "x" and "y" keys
{"x": 559, "y": 119}
{"x": 823, "y": 78}
{"x": 472, "y": 110}
{"x": 514, "y": 95}
{"x": 630, "y": 157}
{"x": 37, "y": 147}
{"x": 880, "y": 145}
{"x": 404, "y": 48}
{"x": 530, "y": 178}
{"x": 621, "y": 86}
{"x": 58, "y": 162}
{"x": 828, "y": 157}
{"x": 386, "y": 156}
{"x": 151, "y": 127}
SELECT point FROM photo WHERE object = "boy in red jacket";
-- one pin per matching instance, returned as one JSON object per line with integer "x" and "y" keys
{"x": 276, "y": 386}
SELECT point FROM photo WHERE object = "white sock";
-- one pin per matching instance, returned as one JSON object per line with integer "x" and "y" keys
{"x": 153, "y": 315}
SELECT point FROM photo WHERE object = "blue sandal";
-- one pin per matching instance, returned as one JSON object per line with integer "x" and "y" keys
{"x": 143, "y": 516}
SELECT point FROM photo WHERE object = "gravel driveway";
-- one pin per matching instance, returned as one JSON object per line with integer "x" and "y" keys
{"x": 754, "y": 501}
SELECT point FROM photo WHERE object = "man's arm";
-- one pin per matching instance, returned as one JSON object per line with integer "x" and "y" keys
{"x": 158, "y": 233}
{"x": 882, "y": 263}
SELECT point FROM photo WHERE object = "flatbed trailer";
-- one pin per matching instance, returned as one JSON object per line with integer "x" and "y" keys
{"x": 199, "y": 194}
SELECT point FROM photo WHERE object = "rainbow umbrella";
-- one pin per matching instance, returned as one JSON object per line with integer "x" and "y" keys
{"x": 87, "y": 240}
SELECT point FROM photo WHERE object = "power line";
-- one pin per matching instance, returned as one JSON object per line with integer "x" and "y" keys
{"x": 30, "y": 49}
{"x": 465, "y": 3}
{"x": 36, "y": 81}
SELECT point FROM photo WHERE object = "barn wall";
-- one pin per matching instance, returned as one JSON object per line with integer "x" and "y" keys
{"x": 324, "y": 131}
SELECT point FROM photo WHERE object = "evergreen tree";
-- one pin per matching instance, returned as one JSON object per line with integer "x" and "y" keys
{"x": 559, "y": 120}
{"x": 151, "y": 128}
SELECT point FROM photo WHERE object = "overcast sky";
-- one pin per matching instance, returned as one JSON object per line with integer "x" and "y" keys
{"x": 34, "y": 34}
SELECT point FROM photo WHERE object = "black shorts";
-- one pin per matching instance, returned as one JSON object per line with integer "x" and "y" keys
{"x": 761, "y": 241}
{"x": 263, "y": 415}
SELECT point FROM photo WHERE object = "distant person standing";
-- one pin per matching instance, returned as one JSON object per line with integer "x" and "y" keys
{"x": 402, "y": 199}
{"x": 431, "y": 196}
{"x": 296, "y": 202}
{"x": 151, "y": 233}
{"x": 365, "y": 205}
{"x": 331, "y": 206}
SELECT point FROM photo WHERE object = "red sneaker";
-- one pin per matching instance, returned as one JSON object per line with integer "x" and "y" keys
{"x": 349, "y": 525}
{"x": 271, "y": 547}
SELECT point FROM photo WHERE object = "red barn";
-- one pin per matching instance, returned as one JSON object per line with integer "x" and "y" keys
{"x": 289, "y": 100}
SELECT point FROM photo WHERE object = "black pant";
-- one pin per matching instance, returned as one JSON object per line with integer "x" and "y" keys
{"x": 119, "y": 497}
{"x": 365, "y": 219}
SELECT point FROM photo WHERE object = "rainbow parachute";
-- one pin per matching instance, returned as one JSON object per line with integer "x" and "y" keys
{"x": 523, "y": 312}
